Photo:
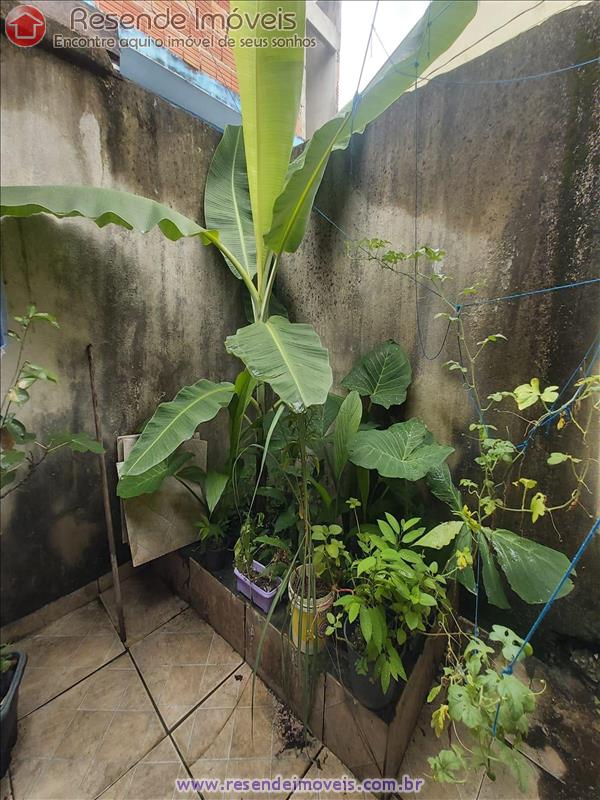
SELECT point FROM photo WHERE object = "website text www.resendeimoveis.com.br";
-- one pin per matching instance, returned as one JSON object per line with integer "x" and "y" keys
{"x": 312, "y": 787}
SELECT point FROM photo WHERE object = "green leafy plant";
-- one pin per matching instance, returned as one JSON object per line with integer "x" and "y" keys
{"x": 21, "y": 453}
{"x": 491, "y": 703}
{"x": 392, "y": 596}
{"x": 500, "y": 488}
{"x": 331, "y": 558}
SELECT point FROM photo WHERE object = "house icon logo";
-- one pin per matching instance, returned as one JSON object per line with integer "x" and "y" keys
{"x": 25, "y": 26}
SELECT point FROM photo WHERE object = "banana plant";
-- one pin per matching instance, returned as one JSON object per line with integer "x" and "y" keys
{"x": 257, "y": 205}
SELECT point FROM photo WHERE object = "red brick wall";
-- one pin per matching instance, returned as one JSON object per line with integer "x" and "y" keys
{"x": 216, "y": 61}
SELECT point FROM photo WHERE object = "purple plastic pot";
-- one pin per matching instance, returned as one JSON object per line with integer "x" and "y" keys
{"x": 253, "y": 592}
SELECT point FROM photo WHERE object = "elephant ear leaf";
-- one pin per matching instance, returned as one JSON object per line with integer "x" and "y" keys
{"x": 346, "y": 425}
{"x": 383, "y": 375}
{"x": 103, "y": 206}
{"x": 439, "y": 481}
{"x": 533, "y": 570}
{"x": 405, "y": 450}
{"x": 227, "y": 200}
{"x": 491, "y": 577}
{"x": 288, "y": 356}
{"x": 175, "y": 422}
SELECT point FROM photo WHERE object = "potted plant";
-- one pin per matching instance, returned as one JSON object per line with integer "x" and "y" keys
{"x": 213, "y": 540}
{"x": 258, "y": 581}
{"x": 12, "y": 665}
{"x": 312, "y": 587}
{"x": 391, "y": 599}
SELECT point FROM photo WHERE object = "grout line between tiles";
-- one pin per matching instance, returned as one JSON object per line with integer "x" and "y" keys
{"x": 205, "y": 698}
{"x": 68, "y": 689}
{"x": 164, "y": 725}
{"x": 128, "y": 644}
{"x": 312, "y": 761}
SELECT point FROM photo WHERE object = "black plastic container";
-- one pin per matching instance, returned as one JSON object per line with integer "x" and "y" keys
{"x": 8, "y": 712}
{"x": 367, "y": 689}
{"x": 215, "y": 560}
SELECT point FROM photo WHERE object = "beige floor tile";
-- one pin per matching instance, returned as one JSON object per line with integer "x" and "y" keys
{"x": 251, "y": 743}
{"x": 61, "y": 779}
{"x": 147, "y": 604}
{"x": 152, "y": 778}
{"x": 81, "y": 742}
{"x": 505, "y": 787}
{"x": 328, "y": 767}
{"x": 249, "y": 770}
{"x": 182, "y": 662}
{"x": 424, "y": 744}
{"x": 65, "y": 652}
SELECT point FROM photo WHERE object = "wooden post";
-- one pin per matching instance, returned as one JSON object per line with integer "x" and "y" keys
{"x": 110, "y": 533}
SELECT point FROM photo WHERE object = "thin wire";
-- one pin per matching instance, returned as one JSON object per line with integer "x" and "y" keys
{"x": 530, "y": 293}
{"x": 350, "y": 239}
{"x": 483, "y": 38}
{"x": 490, "y": 81}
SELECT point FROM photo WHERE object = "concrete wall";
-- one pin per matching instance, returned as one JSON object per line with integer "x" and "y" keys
{"x": 506, "y": 183}
{"x": 157, "y": 312}
{"x": 508, "y": 186}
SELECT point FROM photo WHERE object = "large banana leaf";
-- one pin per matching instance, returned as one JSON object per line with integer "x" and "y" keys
{"x": 383, "y": 375}
{"x": 227, "y": 200}
{"x": 533, "y": 570}
{"x": 270, "y": 83}
{"x": 245, "y": 385}
{"x": 151, "y": 480}
{"x": 401, "y": 451}
{"x": 288, "y": 356}
{"x": 175, "y": 422}
{"x": 103, "y": 206}
{"x": 432, "y": 35}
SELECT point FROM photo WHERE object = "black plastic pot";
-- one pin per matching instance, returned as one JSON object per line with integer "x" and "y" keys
{"x": 8, "y": 712}
{"x": 214, "y": 560}
{"x": 367, "y": 688}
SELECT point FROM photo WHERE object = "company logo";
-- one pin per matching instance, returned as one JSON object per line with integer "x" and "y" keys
{"x": 25, "y": 26}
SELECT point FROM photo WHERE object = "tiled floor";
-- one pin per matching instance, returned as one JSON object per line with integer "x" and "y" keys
{"x": 102, "y": 721}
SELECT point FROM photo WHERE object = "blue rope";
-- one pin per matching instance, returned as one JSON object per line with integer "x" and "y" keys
{"x": 508, "y": 670}
{"x": 515, "y": 296}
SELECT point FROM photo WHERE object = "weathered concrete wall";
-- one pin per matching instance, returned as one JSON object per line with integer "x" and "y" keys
{"x": 157, "y": 312}
{"x": 506, "y": 181}
{"x": 507, "y": 186}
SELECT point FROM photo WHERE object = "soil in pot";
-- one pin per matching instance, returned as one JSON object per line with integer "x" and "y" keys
{"x": 265, "y": 582}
